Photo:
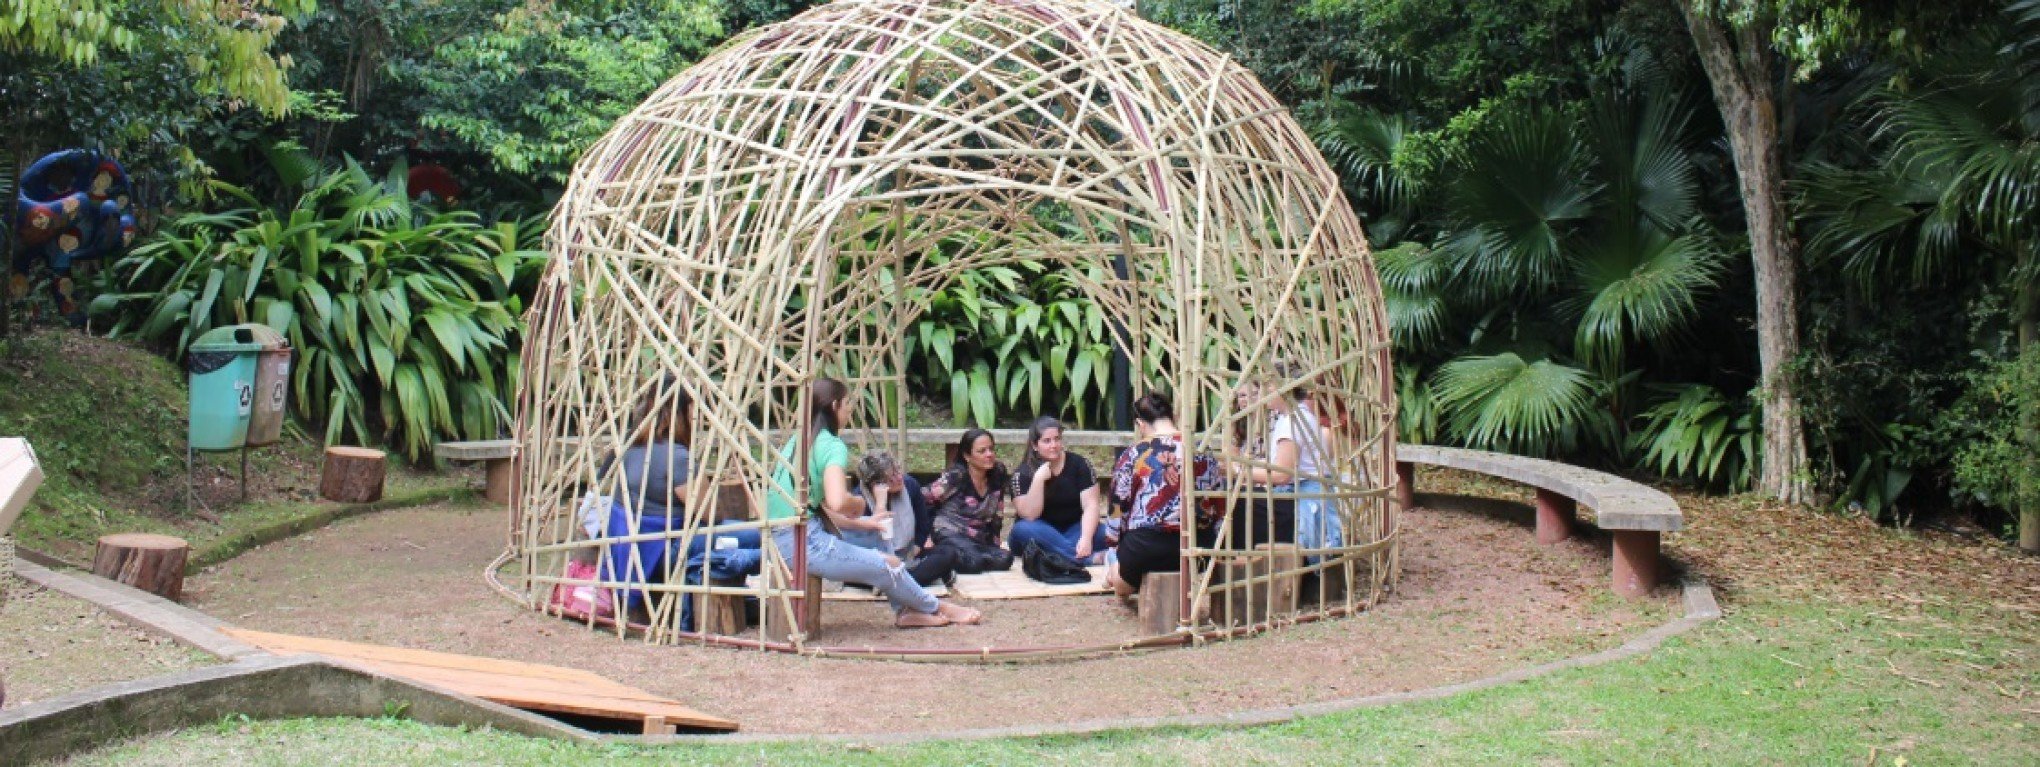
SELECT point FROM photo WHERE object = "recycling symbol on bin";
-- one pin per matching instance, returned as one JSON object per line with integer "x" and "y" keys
{"x": 247, "y": 395}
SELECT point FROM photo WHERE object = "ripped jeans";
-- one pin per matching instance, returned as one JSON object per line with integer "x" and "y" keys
{"x": 831, "y": 557}
{"x": 1317, "y": 519}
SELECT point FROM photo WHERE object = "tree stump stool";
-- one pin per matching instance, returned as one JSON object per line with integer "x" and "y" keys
{"x": 807, "y": 610}
{"x": 1332, "y": 584}
{"x": 152, "y": 563}
{"x": 720, "y": 614}
{"x": 1268, "y": 590}
{"x": 352, "y": 475}
{"x": 1160, "y": 603}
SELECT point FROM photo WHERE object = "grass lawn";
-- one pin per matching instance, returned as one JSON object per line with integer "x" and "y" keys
{"x": 107, "y": 421}
{"x": 1844, "y": 644}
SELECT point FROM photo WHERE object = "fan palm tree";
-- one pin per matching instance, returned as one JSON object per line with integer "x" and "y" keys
{"x": 1952, "y": 188}
{"x": 1579, "y": 237}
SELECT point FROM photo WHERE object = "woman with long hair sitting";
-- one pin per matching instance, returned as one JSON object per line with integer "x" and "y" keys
{"x": 1149, "y": 481}
{"x": 651, "y": 486}
{"x": 831, "y": 506}
{"x": 970, "y": 504}
{"x": 1056, "y": 498}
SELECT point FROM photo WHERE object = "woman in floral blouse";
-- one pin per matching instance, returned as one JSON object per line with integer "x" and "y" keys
{"x": 970, "y": 504}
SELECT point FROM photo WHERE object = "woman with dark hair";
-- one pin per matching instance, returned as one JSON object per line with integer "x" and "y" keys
{"x": 1149, "y": 481}
{"x": 651, "y": 493}
{"x": 970, "y": 501}
{"x": 654, "y": 467}
{"x": 832, "y": 507}
{"x": 1056, "y": 498}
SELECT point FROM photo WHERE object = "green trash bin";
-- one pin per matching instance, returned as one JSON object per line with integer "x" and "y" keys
{"x": 222, "y": 369}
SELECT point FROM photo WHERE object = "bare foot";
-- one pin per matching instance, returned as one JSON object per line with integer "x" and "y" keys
{"x": 959, "y": 614}
{"x": 909, "y": 619}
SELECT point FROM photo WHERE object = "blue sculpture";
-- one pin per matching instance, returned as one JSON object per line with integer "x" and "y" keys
{"x": 74, "y": 205}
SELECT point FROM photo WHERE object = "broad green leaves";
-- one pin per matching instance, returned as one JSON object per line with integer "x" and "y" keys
{"x": 1505, "y": 403}
{"x": 226, "y": 44}
{"x": 405, "y": 321}
{"x": 1002, "y": 339}
{"x": 1697, "y": 432}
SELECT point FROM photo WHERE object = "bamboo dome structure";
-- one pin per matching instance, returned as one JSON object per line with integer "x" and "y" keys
{"x": 778, "y": 211}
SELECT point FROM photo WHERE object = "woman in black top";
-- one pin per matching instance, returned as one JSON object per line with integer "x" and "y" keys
{"x": 1056, "y": 497}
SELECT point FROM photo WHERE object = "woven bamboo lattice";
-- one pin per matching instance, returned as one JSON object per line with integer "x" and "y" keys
{"x": 774, "y": 213}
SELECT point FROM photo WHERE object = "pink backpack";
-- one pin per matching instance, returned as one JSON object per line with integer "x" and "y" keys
{"x": 580, "y": 601}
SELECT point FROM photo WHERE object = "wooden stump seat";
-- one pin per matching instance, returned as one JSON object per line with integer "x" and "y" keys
{"x": 150, "y": 562}
{"x": 353, "y": 474}
{"x": 1160, "y": 603}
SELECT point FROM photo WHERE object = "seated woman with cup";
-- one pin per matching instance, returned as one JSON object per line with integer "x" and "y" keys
{"x": 885, "y": 488}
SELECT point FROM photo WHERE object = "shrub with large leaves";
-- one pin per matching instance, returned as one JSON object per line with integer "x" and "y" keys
{"x": 406, "y": 320}
{"x": 1003, "y": 335}
{"x": 1696, "y": 433}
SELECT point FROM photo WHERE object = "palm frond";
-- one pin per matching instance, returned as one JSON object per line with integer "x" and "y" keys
{"x": 1518, "y": 200}
{"x": 1505, "y": 403}
{"x": 1363, "y": 144}
{"x": 1640, "y": 142}
{"x": 1413, "y": 287}
{"x": 1639, "y": 285}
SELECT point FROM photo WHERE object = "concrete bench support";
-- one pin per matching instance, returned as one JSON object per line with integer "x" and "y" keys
{"x": 1635, "y": 514}
{"x": 501, "y": 479}
{"x": 1556, "y": 515}
{"x": 499, "y": 460}
{"x": 1406, "y": 484}
{"x": 1638, "y": 564}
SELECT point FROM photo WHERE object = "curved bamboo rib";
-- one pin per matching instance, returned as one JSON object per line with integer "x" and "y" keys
{"x": 776, "y": 212}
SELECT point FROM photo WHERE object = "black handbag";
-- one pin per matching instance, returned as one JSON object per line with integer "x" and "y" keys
{"x": 973, "y": 557}
{"x": 1052, "y": 567}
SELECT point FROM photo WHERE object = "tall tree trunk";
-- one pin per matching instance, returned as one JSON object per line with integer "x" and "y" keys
{"x": 1739, "y": 65}
{"x": 2029, "y": 417}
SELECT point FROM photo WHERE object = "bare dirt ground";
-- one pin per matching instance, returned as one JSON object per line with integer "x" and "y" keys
{"x": 1477, "y": 596}
{"x": 52, "y": 644}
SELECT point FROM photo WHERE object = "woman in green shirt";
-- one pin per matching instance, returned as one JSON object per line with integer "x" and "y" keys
{"x": 829, "y": 493}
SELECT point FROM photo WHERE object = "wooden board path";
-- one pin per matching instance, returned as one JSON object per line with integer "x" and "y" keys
{"x": 530, "y": 686}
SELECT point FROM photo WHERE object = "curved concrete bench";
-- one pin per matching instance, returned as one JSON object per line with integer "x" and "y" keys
{"x": 1635, "y": 513}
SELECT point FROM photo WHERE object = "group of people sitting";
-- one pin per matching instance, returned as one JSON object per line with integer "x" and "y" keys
{"x": 870, "y": 523}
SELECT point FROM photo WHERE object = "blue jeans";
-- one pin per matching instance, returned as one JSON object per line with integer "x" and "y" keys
{"x": 830, "y": 557}
{"x": 1317, "y": 519}
{"x": 646, "y": 561}
{"x": 1061, "y": 541}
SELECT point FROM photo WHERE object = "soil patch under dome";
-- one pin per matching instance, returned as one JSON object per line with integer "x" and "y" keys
{"x": 1477, "y": 596}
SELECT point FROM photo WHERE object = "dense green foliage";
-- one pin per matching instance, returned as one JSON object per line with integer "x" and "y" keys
{"x": 1558, "y": 228}
{"x": 160, "y": 83}
{"x": 407, "y": 321}
{"x": 1548, "y": 186}
{"x": 1017, "y": 339}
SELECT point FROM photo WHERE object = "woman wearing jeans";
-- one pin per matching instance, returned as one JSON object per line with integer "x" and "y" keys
{"x": 1296, "y": 448}
{"x": 828, "y": 555}
{"x": 1057, "y": 499}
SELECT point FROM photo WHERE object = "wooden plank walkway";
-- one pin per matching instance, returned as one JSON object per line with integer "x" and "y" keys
{"x": 529, "y": 686}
